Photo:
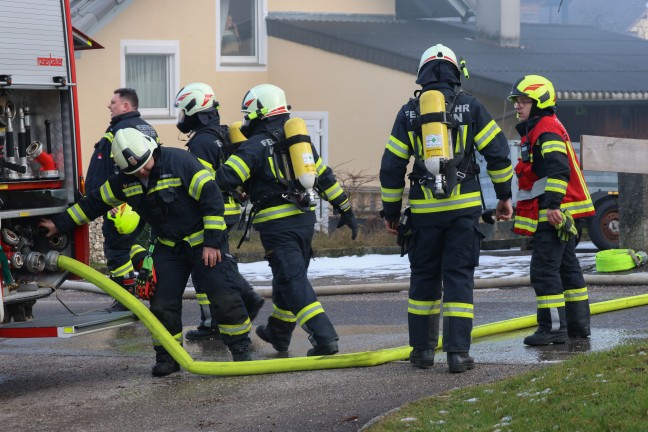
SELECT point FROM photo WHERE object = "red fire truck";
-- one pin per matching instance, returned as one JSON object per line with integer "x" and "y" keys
{"x": 40, "y": 158}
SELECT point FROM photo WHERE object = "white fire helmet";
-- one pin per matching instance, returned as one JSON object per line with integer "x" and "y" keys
{"x": 265, "y": 100}
{"x": 132, "y": 149}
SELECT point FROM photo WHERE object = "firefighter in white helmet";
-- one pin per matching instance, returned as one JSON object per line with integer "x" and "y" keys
{"x": 552, "y": 195}
{"x": 440, "y": 229}
{"x": 284, "y": 216}
{"x": 209, "y": 141}
{"x": 181, "y": 201}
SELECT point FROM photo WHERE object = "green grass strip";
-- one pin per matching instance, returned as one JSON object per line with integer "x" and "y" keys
{"x": 596, "y": 391}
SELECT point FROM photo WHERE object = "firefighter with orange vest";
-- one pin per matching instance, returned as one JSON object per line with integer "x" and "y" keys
{"x": 552, "y": 193}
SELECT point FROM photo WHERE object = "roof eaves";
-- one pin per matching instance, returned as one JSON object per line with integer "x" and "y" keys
{"x": 323, "y": 17}
{"x": 601, "y": 96}
{"x": 90, "y": 16}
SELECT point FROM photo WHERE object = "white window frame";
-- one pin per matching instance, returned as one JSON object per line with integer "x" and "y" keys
{"x": 319, "y": 120}
{"x": 256, "y": 63}
{"x": 170, "y": 48}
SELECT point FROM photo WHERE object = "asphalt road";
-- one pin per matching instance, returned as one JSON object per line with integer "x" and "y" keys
{"x": 102, "y": 381}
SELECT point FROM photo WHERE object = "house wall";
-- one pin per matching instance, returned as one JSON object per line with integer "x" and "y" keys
{"x": 309, "y": 86}
{"x": 361, "y": 99}
{"x": 98, "y": 72}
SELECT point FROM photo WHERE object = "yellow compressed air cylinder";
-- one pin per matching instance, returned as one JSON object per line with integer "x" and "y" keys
{"x": 301, "y": 154}
{"x": 235, "y": 134}
{"x": 436, "y": 144}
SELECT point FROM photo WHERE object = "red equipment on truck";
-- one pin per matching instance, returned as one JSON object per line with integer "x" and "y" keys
{"x": 40, "y": 159}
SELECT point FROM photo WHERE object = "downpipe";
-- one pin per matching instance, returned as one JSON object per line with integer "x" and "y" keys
{"x": 338, "y": 361}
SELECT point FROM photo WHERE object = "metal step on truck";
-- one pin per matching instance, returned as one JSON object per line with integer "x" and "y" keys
{"x": 602, "y": 229}
{"x": 40, "y": 165}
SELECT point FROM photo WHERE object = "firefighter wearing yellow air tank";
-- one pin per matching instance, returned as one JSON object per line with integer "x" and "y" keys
{"x": 441, "y": 127}
{"x": 283, "y": 173}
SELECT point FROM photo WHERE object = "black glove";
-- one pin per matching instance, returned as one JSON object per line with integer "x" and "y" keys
{"x": 404, "y": 230}
{"x": 348, "y": 218}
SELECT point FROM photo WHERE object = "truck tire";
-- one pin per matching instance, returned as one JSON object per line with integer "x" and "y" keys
{"x": 603, "y": 228}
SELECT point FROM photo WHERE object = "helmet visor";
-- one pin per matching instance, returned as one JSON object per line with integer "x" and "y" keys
{"x": 181, "y": 116}
{"x": 135, "y": 163}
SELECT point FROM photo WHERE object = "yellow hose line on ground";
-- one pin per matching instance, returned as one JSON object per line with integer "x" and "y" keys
{"x": 338, "y": 361}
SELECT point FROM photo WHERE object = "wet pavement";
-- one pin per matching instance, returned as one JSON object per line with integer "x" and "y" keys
{"x": 102, "y": 381}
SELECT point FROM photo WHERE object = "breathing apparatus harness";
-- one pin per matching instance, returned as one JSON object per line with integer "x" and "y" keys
{"x": 453, "y": 170}
{"x": 286, "y": 174}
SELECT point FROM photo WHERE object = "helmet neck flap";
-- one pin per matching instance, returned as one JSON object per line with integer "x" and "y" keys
{"x": 438, "y": 72}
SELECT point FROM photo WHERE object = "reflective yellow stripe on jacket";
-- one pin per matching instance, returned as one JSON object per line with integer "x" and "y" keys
{"x": 194, "y": 239}
{"x": 454, "y": 202}
{"x": 277, "y": 212}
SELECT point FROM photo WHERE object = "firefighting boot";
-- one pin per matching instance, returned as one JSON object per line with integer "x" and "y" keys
{"x": 277, "y": 333}
{"x": 164, "y": 363}
{"x": 322, "y": 335}
{"x": 423, "y": 358}
{"x": 208, "y": 328}
{"x": 126, "y": 282}
{"x": 202, "y": 333}
{"x": 253, "y": 301}
{"x": 240, "y": 350}
{"x": 29, "y": 310}
{"x": 459, "y": 362}
{"x": 321, "y": 350}
{"x": 578, "y": 318}
{"x": 552, "y": 328}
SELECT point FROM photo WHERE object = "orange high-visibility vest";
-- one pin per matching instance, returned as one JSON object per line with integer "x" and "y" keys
{"x": 577, "y": 199}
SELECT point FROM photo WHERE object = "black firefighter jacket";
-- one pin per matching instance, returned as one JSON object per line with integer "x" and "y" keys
{"x": 101, "y": 164}
{"x": 209, "y": 143}
{"x": 254, "y": 161}
{"x": 181, "y": 201}
{"x": 474, "y": 129}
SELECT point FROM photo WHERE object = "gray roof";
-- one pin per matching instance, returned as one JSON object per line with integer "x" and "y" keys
{"x": 584, "y": 63}
{"x": 90, "y": 15}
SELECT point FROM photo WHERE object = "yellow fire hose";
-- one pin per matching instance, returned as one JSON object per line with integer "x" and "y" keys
{"x": 614, "y": 260}
{"x": 338, "y": 361}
